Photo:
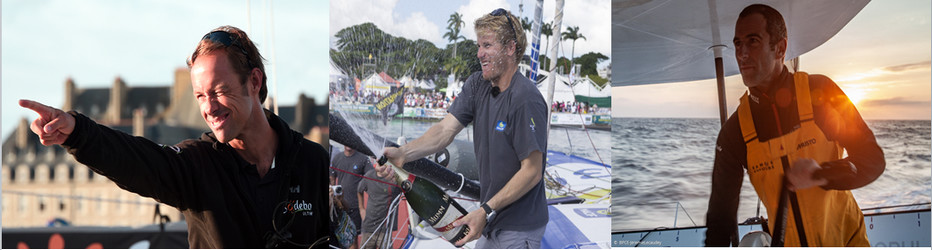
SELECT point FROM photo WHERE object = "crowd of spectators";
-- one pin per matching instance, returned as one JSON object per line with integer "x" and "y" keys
{"x": 573, "y": 107}
{"x": 428, "y": 100}
{"x": 412, "y": 100}
{"x": 436, "y": 100}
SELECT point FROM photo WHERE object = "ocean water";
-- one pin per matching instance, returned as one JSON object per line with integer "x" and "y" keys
{"x": 662, "y": 171}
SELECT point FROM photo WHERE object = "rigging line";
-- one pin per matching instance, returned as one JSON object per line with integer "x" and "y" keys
{"x": 392, "y": 207}
{"x": 594, "y": 149}
{"x": 687, "y": 213}
{"x": 365, "y": 177}
{"x": 61, "y": 196}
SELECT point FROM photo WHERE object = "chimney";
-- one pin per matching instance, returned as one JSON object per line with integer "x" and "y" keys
{"x": 138, "y": 123}
{"x": 69, "y": 95}
{"x": 114, "y": 113}
{"x": 22, "y": 133}
{"x": 300, "y": 113}
{"x": 182, "y": 85}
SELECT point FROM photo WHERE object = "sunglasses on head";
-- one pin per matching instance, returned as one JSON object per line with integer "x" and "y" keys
{"x": 228, "y": 40}
{"x": 503, "y": 12}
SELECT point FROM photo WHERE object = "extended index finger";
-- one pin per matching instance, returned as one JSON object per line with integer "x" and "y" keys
{"x": 44, "y": 111}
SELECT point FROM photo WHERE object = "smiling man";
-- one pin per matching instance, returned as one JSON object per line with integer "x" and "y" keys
{"x": 789, "y": 134}
{"x": 251, "y": 182}
{"x": 509, "y": 120}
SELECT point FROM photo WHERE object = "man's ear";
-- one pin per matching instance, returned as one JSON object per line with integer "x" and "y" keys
{"x": 255, "y": 81}
{"x": 781, "y": 48}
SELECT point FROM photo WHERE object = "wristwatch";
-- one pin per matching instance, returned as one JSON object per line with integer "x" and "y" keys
{"x": 488, "y": 212}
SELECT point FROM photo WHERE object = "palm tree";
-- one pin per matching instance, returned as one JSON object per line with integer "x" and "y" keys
{"x": 547, "y": 30}
{"x": 453, "y": 25}
{"x": 457, "y": 67}
{"x": 573, "y": 33}
{"x": 526, "y": 24}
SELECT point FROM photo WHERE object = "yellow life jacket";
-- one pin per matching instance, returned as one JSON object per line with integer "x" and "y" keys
{"x": 828, "y": 217}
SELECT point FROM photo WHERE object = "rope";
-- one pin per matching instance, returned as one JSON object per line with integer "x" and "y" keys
{"x": 61, "y": 196}
{"x": 364, "y": 177}
{"x": 586, "y": 129}
{"x": 392, "y": 207}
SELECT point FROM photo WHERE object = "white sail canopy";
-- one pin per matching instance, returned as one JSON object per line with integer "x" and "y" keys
{"x": 663, "y": 41}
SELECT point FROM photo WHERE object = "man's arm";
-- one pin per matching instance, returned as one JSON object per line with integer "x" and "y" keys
{"x": 439, "y": 136}
{"x": 136, "y": 164}
{"x": 841, "y": 122}
{"x": 362, "y": 205}
{"x": 530, "y": 173}
{"x": 727, "y": 175}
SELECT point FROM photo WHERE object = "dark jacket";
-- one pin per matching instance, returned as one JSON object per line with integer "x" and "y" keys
{"x": 225, "y": 203}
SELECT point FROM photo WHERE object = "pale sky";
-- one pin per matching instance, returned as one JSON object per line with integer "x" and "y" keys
{"x": 428, "y": 19}
{"x": 94, "y": 41}
{"x": 881, "y": 59}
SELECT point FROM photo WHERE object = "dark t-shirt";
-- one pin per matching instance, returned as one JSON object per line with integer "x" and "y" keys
{"x": 357, "y": 164}
{"x": 380, "y": 198}
{"x": 508, "y": 127}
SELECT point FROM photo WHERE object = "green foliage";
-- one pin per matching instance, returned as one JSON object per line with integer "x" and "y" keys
{"x": 398, "y": 56}
{"x": 572, "y": 33}
{"x": 526, "y": 24}
{"x": 563, "y": 64}
{"x": 589, "y": 63}
{"x": 467, "y": 56}
{"x": 598, "y": 80}
{"x": 454, "y": 24}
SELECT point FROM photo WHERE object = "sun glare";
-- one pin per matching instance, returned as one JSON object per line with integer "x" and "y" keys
{"x": 855, "y": 94}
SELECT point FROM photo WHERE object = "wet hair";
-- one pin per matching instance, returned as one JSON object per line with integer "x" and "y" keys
{"x": 776, "y": 27}
{"x": 499, "y": 26}
{"x": 242, "y": 53}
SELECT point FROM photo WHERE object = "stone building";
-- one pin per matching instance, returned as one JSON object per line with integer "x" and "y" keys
{"x": 41, "y": 185}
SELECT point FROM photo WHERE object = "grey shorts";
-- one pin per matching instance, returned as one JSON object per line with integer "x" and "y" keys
{"x": 501, "y": 239}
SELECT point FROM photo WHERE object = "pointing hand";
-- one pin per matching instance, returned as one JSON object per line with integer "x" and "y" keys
{"x": 53, "y": 125}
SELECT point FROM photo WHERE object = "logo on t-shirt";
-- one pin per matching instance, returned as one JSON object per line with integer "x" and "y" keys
{"x": 500, "y": 126}
{"x": 533, "y": 125}
{"x": 355, "y": 167}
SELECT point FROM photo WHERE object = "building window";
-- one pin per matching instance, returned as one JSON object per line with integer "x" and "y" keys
{"x": 12, "y": 174}
{"x": 51, "y": 174}
{"x": 90, "y": 175}
{"x": 71, "y": 173}
{"x": 32, "y": 174}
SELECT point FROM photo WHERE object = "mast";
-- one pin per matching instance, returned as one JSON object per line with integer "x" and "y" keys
{"x": 555, "y": 40}
{"x": 535, "y": 39}
{"x": 717, "y": 48}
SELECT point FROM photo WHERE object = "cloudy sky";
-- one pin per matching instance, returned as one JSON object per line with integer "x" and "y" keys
{"x": 428, "y": 19}
{"x": 881, "y": 59}
{"x": 94, "y": 41}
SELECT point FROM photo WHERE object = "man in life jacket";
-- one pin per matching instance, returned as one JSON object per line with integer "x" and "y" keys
{"x": 789, "y": 134}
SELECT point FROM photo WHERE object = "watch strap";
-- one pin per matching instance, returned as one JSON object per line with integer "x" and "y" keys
{"x": 488, "y": 210}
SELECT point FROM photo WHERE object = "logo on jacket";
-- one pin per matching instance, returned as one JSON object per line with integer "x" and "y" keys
{"x": 295, "y": 189}
{"x": 809, "y": 142}
{"x": 500, "y": 126}
{"x": 299, "y": 206}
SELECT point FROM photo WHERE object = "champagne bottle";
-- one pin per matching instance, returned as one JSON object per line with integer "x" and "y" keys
{"x": 431, "y": 204}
